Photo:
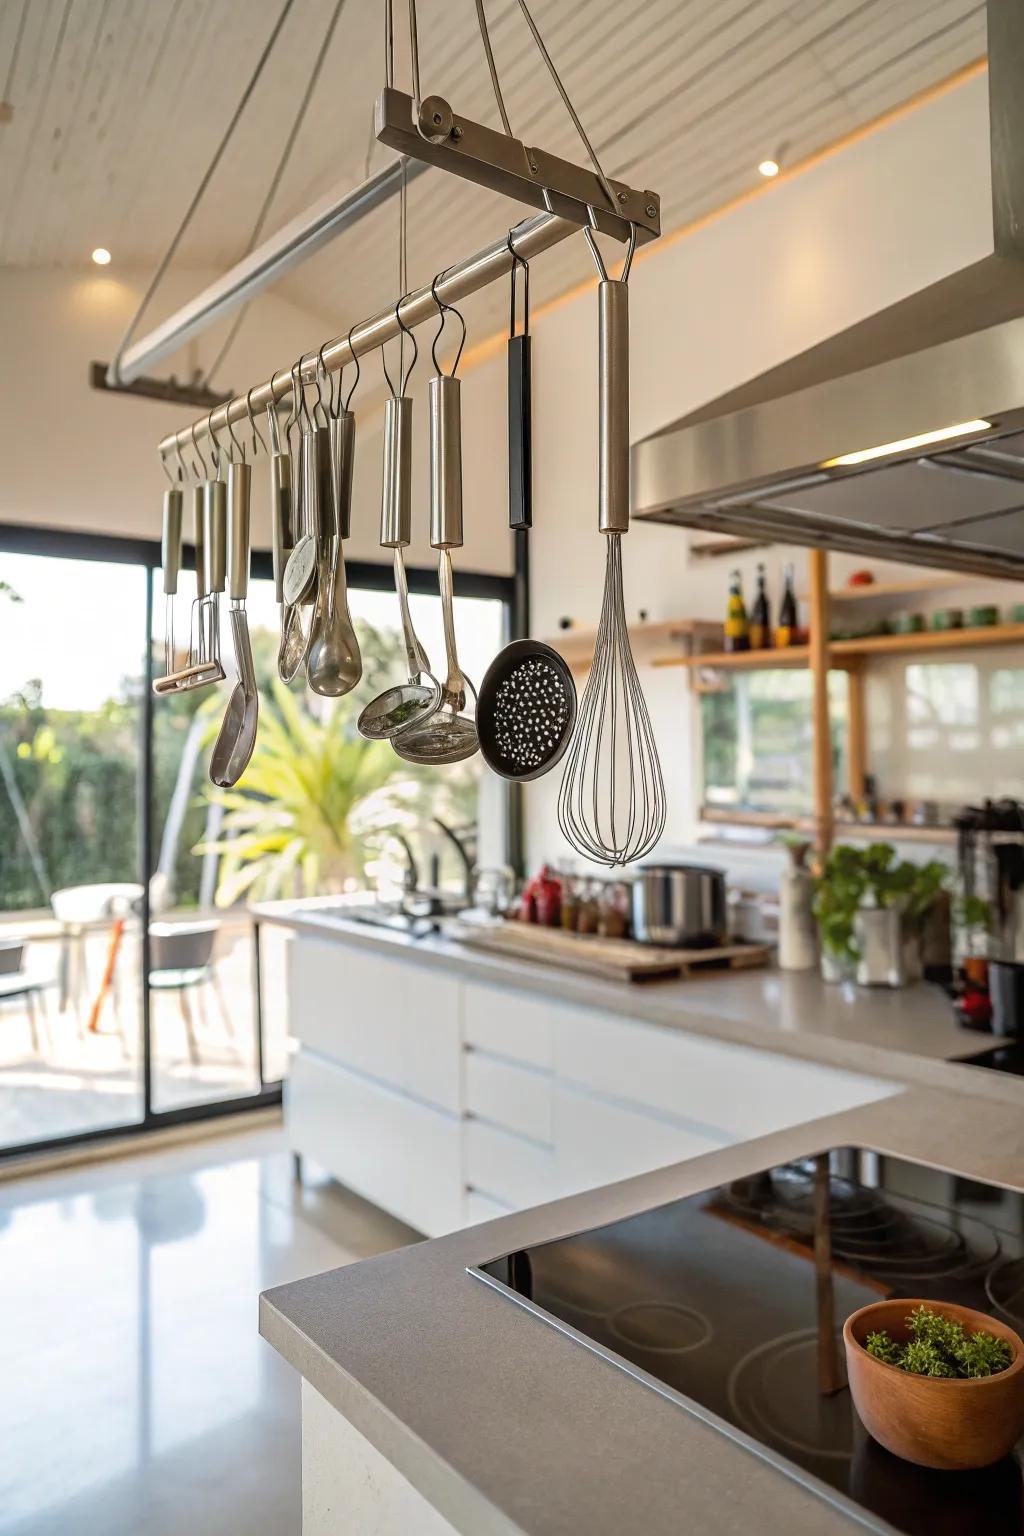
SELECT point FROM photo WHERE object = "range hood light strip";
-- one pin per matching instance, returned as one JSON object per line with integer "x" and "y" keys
{"x": 907, "y": 444}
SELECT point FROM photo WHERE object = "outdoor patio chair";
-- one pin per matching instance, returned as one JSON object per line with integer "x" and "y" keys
{"x": 16, "y": 984}
{"x": 78, "y": 908}
{"x": 181, "y": 960}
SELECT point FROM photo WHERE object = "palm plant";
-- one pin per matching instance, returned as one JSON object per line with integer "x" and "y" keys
{"x": 290, "y": 823}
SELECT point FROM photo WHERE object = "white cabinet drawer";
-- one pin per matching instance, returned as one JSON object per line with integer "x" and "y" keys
{"x": 598, "y": 1142}
{"x": 520, "y": 1173}
{"x": 402, "y": 1155}
{"x": 507, "y": 1022}
{"x": 517, "y": 1098}
{"x": 390, "y": 1018}
{"x": 716, "y": 1085}
{"x": 480, "y": 1207}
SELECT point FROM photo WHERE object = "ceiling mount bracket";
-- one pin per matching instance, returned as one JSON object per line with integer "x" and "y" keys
{"x": 435, "y": 133}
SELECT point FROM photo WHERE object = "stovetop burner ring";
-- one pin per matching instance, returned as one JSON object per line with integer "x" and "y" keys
{"x": 683, "y": 1327}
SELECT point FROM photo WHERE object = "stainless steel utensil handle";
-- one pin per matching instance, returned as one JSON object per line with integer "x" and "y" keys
{"x": 239, "y": 484}
{"x": 446, "y": 584}
{"x": 343, "y": 452}
{"x": 281, "y": 517}
{"x": 520, "y": 433}
{"x": 445, "y": 462}
{"x": 613, "y": 391}
{"x": 199, "y": 537}
{"x": 215, "y": 534}
{"x": 310, "y": 485}
{"x": 396, "y": 498}
{"x": 170, "y": 542}
{"x": 327, "y": 524}
{"x": 414, "y": 652}
{"x": 457, "y": 683}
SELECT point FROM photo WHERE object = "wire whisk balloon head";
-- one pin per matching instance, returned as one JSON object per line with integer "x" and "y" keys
{"x": 611, "y": 804}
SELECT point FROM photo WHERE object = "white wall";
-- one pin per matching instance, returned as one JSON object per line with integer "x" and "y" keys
{"x": 861, "y": 229}
{"x": 79, "y": 458}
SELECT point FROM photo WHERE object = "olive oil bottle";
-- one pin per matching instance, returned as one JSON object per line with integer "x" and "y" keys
{"x": 788, "y": 631}
{"x": 760, "y": 615}
{"x": 737, "y": 627}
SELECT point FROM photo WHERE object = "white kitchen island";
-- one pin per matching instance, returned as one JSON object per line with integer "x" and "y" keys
{"x": 449, "y": 1087}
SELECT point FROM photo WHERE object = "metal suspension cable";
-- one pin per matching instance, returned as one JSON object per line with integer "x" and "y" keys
{"x": 389, "y": 42}
{"x": 275, "y": 181}
{"x": 485, "y": 38}
{"x": 115, "y": 367}
{"x": 15, "y": 52}
{"x": 553, "y": 72}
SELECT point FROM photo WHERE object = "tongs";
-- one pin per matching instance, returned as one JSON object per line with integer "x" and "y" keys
{"x": 204, "y": 665}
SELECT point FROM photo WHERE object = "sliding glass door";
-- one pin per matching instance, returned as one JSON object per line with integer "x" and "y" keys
{"x": 135, "y": 985}
{"x": 72, "y": 680}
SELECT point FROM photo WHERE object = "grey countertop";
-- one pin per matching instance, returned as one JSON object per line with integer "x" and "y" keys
{"x": 791, "y": 1013}
{"x": 508, "y": 1426}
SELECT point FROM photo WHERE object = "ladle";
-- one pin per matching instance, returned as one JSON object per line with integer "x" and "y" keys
{"x": 406, "y": 705}
{"x": 299, "y": 569}
{"x": 449, "y": 735}
{"x": 237, "y": 736}
{"x": 334, "y": 665}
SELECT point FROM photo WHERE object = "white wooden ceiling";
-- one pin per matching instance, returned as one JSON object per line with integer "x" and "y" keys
{"x": 119, "y": 104}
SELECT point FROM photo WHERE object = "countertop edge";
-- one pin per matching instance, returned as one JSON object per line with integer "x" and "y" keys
{"x": 421, "y": 1293}
{"x": 425, "y": 1469}
{"x": 641, "y": 1004}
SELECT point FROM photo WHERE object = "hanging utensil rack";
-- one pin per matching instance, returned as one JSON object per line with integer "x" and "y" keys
{"x": 530, "y": 238}
{"x": 572, "y": 197}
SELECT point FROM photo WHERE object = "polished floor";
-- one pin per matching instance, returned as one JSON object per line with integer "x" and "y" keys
{"x": 136, "y": 1395}
{"x": 58, "y": 1077}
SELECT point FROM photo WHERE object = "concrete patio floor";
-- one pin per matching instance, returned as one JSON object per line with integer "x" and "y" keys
{"x": 77, "y": 1080}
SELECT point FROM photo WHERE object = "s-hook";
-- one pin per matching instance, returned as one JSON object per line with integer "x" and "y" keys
{"x": 257, "y": 435}
{"x": 443, "y": 310}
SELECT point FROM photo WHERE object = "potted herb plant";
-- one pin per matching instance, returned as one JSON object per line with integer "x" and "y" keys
{"x": 936, "y": 1383}
{"x": 853, "y": 879}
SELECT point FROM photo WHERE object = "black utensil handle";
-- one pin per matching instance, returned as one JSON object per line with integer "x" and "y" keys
{"x": 520, "y": 434}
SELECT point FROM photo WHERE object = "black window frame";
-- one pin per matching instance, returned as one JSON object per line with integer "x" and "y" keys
{"x": 59, "y": 543}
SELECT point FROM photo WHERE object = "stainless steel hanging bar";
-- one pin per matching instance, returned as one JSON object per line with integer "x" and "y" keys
{"x": 528, "y": 239}
{"x": 294, "y": 243}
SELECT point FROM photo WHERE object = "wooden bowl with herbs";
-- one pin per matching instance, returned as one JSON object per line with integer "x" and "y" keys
{"x": 935, "y": 1383}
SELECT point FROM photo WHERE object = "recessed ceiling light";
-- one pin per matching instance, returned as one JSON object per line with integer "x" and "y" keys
{"x": 101, "y": 256}
{"x": 921, "y": 440}
{"x": 769, "y": 168}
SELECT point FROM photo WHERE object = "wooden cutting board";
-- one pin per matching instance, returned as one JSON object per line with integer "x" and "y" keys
{"x": 613, "y": 959}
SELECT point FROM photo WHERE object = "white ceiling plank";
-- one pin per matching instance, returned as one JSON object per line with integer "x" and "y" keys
{"x": 676, "y": 94}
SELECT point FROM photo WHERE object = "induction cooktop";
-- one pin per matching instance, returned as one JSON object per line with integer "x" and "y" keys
{"x": 713, "y": 1301}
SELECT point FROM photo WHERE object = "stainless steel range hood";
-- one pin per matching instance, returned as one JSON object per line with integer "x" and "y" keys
{"x": 902, "y": 437}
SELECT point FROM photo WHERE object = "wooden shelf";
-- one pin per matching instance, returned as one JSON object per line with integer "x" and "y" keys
{"x": 715, "y": 549}
{"x": 788, "y": 656}
{"x": 576, "y": 646}
{"x": 950, "y": 582}
{"x": 857, "y": 831}
{"x": 881, "y": 832}
{"x": 870, "y": 645}
{"x": 769, "y": 821}
{"x": 931, "y": 640}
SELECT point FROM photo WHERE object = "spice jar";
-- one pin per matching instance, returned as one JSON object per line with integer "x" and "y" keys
{"x": 612, "y": 922}
{"x": 548, "y": 898}
{"x": 588, "y": 917}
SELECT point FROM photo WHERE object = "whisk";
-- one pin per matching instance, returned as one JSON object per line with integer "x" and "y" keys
{"x": 611, "y": 803}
